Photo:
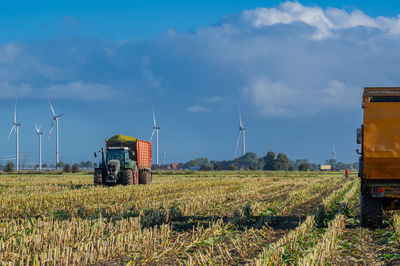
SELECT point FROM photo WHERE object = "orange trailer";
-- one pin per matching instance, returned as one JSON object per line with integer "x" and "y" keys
{"x": 379, "y": 137}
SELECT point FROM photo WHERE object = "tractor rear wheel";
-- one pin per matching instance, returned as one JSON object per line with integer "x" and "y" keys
{"x": 371, "y": 211}
{"x": 127, "y": 177}
{"x": 98, "y": 176}
{"x": 145, "y": 178}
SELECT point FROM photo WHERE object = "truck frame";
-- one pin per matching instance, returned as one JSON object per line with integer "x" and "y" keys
{"x": 125, "y": 163}
{"x": 379, "y": 163}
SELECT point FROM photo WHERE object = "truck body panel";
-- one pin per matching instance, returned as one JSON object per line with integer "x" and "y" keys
{"x": 143, "y": 154}
{"x": 381, "y": 136}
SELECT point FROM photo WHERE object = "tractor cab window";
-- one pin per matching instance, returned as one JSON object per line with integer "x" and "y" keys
{"x": 126, "y": 156}
{"x": 115, "y": 155}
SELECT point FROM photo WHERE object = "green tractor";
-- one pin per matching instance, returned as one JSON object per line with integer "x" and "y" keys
{"x": 125, "y": 161}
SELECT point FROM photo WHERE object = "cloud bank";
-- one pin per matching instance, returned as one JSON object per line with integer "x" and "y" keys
{"x": 289, "y": 60}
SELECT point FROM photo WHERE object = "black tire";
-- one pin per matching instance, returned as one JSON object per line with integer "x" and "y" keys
{"x": 371, "y": 211}
{"x": 127, "y": 177}
{"x": 98, "y": 176}
{"x": 145, "y": 178}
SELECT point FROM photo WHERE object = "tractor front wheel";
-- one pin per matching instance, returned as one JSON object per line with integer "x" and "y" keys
{"x": 127, "y": 177}
{"x": 98, "y": 176}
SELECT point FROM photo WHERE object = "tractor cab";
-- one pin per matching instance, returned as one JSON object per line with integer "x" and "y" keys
{"x": 120, "y": 154}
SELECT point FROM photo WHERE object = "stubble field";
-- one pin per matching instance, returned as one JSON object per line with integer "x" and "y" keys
{"x": 257, "y": 218}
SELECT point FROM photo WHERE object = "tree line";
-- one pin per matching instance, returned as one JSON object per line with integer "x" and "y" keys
{"x": 270, "y": 162}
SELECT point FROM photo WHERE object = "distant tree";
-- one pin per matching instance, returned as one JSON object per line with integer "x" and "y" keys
{"x": 67, "y": 168}
{"x": 282, "y": 162}
{"x": 44, "y": 165}
{"x": 95, "y": 165}
{"x": 1, "y": 166}
{"x": 196, "y": 162}
{"x": 232, "y": 167}
{"x": 60, "y": 165}
{"x": 206, "y": 168}
{"x": 82, "y": 165}
{"x": 89, "y": 164}
{"x": 269, "y": 161}
{"x": 304, "y": 166}
{"x": 291, "y": 168}
{"x": 9, "y": 167}
{"x": 75, "y": 168}
{"x": 218, "y": 167}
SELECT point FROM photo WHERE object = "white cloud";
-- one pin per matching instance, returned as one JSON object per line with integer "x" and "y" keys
{"x": 9, "y": 91}
{"x": 324, "y": 21}
{"x": 214, "y": 99}
{"x": 197, "y": 109}
{"x": 277, "y": 99}
{"x": 77, "y": 91}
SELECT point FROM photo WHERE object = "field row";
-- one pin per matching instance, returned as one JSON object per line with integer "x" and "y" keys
{"x": 227, "y": 218}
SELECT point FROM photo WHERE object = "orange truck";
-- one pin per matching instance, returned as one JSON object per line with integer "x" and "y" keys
{"x": 125, "y": 161}
{"x": 379, "y": 169}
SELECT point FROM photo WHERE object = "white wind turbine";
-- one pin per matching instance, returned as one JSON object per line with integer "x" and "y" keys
{"x": 242, "y": 129}
{"x": 55, "y": 119}
{"x": 15, "y": 127}
{"x": 156, "y": 129}
{"x": 39, "y": 133}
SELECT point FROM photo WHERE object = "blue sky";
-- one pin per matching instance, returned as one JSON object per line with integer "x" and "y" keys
{"x": 296, "y": 69}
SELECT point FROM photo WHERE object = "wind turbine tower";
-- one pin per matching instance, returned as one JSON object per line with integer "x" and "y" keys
{"x": 55, "y": 121}
{"x": 15, "y": 127}
{"x": 242, "y": 130}
{"x": 39, "y": 133}
{"x": 334, "y": 153}
{"x": 156, "y": 129}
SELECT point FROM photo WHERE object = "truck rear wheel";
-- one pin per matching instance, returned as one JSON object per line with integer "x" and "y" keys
{"x": 127, "y": 177}
{"x": 145, "y": 178}
{"x": 98, "y": 176}
{"x": 371, "y": 211}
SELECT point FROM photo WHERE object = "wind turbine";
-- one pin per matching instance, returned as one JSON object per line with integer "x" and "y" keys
{"x": 242, "y": 129}
{"x": 55, "y": 119}
{"x": 15, "y": 127}
{"x": 39, "y": 133}
{"x": 156, "y": 129}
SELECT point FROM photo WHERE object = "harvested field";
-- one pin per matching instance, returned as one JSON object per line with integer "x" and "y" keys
{"x": 258, "y": 218}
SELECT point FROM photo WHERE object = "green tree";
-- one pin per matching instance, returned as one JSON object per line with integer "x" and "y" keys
{"x": 304, "y": 166}
{"x": 88, "y": 164}
{"x": 269, "y": 160}
{"x": 82, "y": 165}
{"x": 60, "y": 165}
{"x": 206, "y": 167}
{"x": 75, "y": 168}
{"x": 232, "y": 167}
{"x": 282, "y": 162}
{"x": 218, "y": 167}
{"x": 67, "y": 168}
{"x": 9, "y": 167}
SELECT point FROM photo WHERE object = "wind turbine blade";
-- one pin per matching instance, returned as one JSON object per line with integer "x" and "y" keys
{"x": 52, "y": 110}
{"x": 237, "y": 144}
{"x": 51, "y": 128}
{"x": 40, "y": 126}
{"x": 152, "y": 133}
{"x": 154, "y": 117}
{"x": 37, "y": 129}
{"x": 11, "y": 131}
{"x": 15, "y": 111}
